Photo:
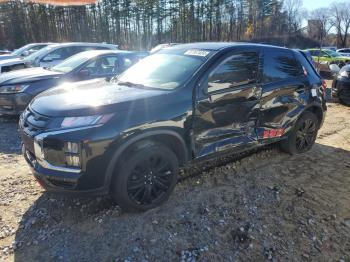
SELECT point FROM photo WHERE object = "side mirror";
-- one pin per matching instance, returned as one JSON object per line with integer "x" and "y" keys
{"x": 25, "y": 53}
{"x": 84, "y": 73}
{"x": 334, "y": 69}
{"x": 47, "y": 60}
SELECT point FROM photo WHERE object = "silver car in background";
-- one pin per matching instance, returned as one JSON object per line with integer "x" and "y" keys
{"x": 51, "y": 55}
{"x": 344, "y": 51}
{"x": 54, "y": 54}
{"x": 24, "y": 51}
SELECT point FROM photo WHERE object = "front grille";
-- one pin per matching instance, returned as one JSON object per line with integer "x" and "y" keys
{"x": 34, "y": 123}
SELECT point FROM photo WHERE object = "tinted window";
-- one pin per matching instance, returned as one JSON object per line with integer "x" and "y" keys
{"x": 73, "y": 62}
{"x": 239, "y": 69}
{"x": 279, "y": 64}
{"x": 307, "y": 65}
{"x": 103, "y": 66}
{"x": 58, "y": 54}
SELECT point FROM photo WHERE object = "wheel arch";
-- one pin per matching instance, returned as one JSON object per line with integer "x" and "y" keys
{"x": 170, "y": 138}
{"x": 317, "y": 110}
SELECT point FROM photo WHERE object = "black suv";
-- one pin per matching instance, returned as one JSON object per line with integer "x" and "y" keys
{"x": 185, "y": 103}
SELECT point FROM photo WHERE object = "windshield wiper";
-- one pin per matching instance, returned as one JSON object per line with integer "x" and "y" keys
{"x": 130, "y": 84}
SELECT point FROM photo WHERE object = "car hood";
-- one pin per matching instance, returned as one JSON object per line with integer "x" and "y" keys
{"x": 27, "y": 75}
{"x": 11, "y": 61}
{"x": 3, "y": 57}
{"x": 92, "y": 97}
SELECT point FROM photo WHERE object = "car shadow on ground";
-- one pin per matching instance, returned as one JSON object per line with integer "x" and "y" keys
{"x": 10, "y": 142}
{"x": 58, "y": 228}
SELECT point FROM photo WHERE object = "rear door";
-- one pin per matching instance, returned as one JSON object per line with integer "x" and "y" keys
{"x": 227, "y": 104}
{"x": 285, "y": 92}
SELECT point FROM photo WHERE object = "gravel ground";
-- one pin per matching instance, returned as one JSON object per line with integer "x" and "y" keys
{"x": 265, "y": 206}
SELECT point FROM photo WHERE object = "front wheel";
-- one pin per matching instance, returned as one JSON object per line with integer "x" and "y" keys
{"x": 303, "y": 136}
{"x": 145, "y": 178}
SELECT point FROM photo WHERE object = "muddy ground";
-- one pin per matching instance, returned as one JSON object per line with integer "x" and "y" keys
{"x": 265, "y": 206}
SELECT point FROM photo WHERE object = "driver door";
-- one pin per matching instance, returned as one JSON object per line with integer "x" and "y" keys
{"x": 227, "y": 105}
{"x": 102, "y": 67}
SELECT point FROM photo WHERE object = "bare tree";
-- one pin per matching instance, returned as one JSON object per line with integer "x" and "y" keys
{"x": 293, "y": 8}
{"x": 324, "y": 20}
{"x": 341, "y": 20}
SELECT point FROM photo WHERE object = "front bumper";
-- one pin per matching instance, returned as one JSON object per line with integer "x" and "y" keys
{"x": 90, "y": 179}
{"x": 14, "y": 104}
{"x": 341, "y": 89}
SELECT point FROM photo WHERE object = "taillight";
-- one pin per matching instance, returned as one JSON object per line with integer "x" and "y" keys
{"x": 324, "y": 87}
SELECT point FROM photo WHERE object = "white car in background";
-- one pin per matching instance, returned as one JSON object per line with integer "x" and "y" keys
{"x": 24, "y": 51}
{"x": 52, "y": 55}
{"x": 344, "y": 51}
{"x": 11, "y": 64}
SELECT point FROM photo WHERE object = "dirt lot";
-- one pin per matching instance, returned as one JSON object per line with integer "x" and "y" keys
{"x": 266, "y": 206}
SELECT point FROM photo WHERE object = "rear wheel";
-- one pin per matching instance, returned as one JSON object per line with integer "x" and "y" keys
{"x": 303, "y": 136}
{"x": 145, "y": 178}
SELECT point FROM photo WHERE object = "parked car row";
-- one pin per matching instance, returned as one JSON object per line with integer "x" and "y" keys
{"x": 19, "y": 87}
{"x": 24, "y": 51}
{"x": 48, "y": 55}
{"x": 128, "y": 137}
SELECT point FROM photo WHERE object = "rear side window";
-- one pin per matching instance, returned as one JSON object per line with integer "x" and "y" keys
{"x": 308, "y": 67}
{"x": 280, "y": 65}
{"x": 239, "y": 69}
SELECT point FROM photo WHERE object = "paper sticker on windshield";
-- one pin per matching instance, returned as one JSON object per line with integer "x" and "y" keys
{"x": 196, "y": 52}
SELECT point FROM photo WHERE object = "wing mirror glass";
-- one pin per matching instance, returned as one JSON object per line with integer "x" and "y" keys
{"x": 84, "y": 73}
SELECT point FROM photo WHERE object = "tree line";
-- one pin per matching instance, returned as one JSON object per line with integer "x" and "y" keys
{"x": 141, "y": 24}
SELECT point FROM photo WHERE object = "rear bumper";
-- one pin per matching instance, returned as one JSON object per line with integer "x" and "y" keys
{"x": 341, "y": 89}
{"x": 14, "y": 104}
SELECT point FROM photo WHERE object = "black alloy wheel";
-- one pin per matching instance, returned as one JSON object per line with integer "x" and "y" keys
{"x": 303, "y": 136}
{"x": 306, "y": 135}
{"x": 145, "y": 177}
{"x": 150, "y": 179}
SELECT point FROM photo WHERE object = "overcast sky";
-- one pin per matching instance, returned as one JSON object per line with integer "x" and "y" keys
{"x": 313, "y": 4}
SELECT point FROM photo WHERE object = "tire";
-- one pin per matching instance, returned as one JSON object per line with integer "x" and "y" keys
{"x": 145, "y": 177}
{"x": 345, "y": 102}
{"x": 303, "y": 136}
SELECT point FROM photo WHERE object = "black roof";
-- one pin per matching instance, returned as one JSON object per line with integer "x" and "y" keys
{"x": 216, "y": 46}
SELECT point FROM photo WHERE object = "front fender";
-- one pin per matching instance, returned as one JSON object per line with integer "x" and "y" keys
{"x": 130, "y": 138}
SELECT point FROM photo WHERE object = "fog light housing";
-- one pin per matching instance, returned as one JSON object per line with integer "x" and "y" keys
{"x": 72, "y": 148}
{"x": 72, "y": 152}
{"x": 73, "y": 161}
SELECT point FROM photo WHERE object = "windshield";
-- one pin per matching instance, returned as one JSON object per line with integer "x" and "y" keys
{"x": 165, "y": 70}
{"x": 42, "y": 51}
{"x": 73, "y": 62}
{"x": 332, "y": 53}
{"x": 19, "y": 51}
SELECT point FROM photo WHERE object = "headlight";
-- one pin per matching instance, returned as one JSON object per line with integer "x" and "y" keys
{"x": 71, "y": 122}
{"x": 13, "y": 89}
{"x": 344, "y": 73}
